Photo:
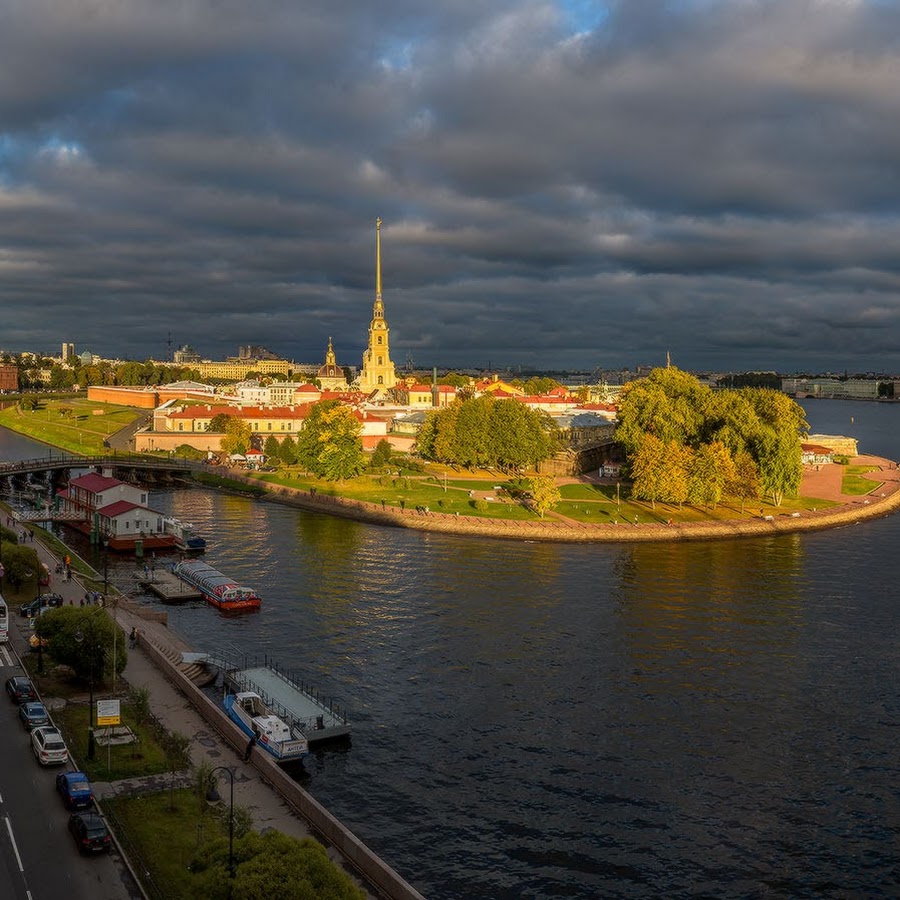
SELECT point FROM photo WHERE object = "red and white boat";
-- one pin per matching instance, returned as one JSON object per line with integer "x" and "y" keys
{"x": 217, "y": 589}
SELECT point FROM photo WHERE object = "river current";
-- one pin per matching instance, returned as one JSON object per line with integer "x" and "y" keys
{"x": 540, "y": 721}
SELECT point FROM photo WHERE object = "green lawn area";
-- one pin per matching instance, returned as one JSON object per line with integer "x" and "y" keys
{"x": 436, "y": 487}
{"x": 83, "y": 430}
{"x": 111, "y": 764}
{"x": 167, "y": 828}
{"x": 413, "y": 490}
{"x": 857, "y": 485}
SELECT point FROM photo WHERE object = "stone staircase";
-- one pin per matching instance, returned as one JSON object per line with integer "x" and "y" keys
{"x": 199, "y": 673}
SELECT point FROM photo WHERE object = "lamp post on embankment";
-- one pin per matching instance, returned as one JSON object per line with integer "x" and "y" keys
{"x": 212, "y": 795}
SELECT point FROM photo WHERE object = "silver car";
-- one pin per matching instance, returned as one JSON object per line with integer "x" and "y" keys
{"x": 48, "y": 746}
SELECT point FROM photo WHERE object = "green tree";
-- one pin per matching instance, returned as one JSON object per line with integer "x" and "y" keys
{"x": 473, "y": 444}
{"x": 82, "y": 637}
{"x": 427, "y": 435}
{"x": 712, "y": 471}
{"x": 660, "y": 471}
{"x": 745, "y": 483}
{"x": 186, "y": 451}
{"x": 301, "y": 869}
{"x": 776, "y": 448}
{"x": 176, "y": 747}
{"x": 21, "y": 564}
{"x": 219, "y": 422}
{"x": 454, "y": 380}
{"x": 381, "y": 456}
{"x": 271, "y": 448}
{"x": 329, "y": 445}
{"x": 669, "y": 404}
{"x": 444, "y": 446}
{"x": 544, "y": 493}
{"x": 540, "y": 385}
{"x": 287, "y": 451}
{"x": 238, "y": 436}
{"x": 754, "y": 425}
{"x": 521, "y": 437}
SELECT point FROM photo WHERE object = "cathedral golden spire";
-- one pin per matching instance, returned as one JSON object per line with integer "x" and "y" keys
{"x": 378, "y": 258}
{"x": 377, "y": 369}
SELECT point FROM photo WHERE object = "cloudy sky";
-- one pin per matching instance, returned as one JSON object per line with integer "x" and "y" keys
{"x": 569, "y": 184}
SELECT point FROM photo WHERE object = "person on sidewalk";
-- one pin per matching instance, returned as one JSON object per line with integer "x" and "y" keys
{"x": 132, "y": 638}
{"x": 250, "y": 745}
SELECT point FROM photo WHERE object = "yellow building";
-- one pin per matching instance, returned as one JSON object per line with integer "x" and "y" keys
{"x": 377, "y": 369}
{"x": 237, "y": 371}
{"x": 331, "y": 375}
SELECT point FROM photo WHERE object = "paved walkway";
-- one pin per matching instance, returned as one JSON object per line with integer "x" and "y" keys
{"x": 175, "y": 713}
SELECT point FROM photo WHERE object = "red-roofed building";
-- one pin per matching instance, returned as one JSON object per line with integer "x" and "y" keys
{"x": 422, "y": 396}
{"x": 116, "y": 512}
{"x": 90, "y": 492}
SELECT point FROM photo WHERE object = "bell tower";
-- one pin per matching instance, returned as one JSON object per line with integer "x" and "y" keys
{"x": 377, "y": 369}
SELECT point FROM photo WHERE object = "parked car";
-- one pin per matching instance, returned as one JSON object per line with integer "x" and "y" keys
{"x": 75, "y": 790}
{"x": 90, "y": 832}
{"x": 45, "y": 601}
{"x": 33, "y": 714}
{"x": 20, "y": 689}
{"x": 48, "y": 746}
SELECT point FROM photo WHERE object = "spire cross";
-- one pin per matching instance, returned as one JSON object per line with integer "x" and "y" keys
{"x": 378, "y": 259}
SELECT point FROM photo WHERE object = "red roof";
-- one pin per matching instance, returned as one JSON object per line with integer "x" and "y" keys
{"x": 120, "y": 506}
{"x": 442, "y": 388}
{"x": 94, "y": 483}
{"x": 247, "y": 412}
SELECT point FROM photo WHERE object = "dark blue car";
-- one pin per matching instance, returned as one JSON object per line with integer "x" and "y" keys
{"x": 33, "y": 714}
{"x": 75, "y": 789}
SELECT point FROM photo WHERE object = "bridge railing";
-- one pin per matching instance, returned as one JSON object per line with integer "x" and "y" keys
{"x": 72, "y": 461}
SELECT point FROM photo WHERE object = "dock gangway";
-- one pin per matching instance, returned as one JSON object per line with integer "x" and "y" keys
{"x": 289, "y": 696}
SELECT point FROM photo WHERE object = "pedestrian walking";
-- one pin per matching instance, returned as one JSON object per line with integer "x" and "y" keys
{"x": 132, "y": 638}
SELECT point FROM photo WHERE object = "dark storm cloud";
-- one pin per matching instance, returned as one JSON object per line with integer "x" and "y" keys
{"x": 716, "y": 178}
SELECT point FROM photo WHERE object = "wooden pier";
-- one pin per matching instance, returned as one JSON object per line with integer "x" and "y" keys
{"x": 170, "y": 588}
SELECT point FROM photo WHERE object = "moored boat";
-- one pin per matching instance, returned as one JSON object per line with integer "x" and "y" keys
{"x": 217, "y": 589}
{"x": 186, "y": 538}
{"x": 247, "y": 710}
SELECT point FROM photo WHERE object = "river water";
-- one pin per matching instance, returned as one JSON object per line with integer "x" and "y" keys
{"x": 541, "y": 721}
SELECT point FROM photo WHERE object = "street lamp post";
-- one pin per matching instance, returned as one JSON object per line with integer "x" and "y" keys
{"x": 91, "y": 748}
{"x": 40, "y": 640}
{"x": 213, "y": 796}
{"x": 106, "y": 601}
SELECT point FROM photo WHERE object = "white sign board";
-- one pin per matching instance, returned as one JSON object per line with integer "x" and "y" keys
{"x": 108, "y": 712}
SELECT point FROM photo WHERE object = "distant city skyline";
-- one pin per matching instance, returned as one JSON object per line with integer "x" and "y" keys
{"x": 564, "y": 185}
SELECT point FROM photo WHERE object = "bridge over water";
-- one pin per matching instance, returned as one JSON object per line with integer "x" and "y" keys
{"x": 117, "y": 461}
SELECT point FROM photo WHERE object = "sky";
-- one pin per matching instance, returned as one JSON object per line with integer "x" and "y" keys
{"x": 569, "y": 185}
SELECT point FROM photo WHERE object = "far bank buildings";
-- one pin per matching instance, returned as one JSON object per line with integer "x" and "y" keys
{"x": 387, "y": 408}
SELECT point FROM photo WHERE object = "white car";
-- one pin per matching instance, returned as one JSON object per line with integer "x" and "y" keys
{"x": 48, "y": 746}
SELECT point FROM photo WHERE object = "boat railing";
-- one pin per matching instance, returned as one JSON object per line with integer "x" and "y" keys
{"x": 233, "y": 665}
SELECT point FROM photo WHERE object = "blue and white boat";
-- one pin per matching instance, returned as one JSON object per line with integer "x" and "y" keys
{"x": 247, "y": 710}
{"x": 186, "y": 538}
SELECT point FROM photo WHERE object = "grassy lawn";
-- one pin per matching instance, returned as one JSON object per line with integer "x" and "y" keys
{"x": 116, "y": 762}
{"x": 440, "y": 489}
{"x": 857, "y": 485}
{"x": 411, "y": 491}
{"x": 145, "y": 757}
{"x": 172, "y": 820}
{"x": 82, "y": 430}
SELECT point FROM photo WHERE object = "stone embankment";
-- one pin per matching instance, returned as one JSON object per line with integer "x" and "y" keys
{"x": 883, "y": 500}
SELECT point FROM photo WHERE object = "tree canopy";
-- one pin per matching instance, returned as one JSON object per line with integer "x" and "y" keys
{"x": 237, "y": 433}
{"x": 329, "y": 444}
{"x": 300, "y": 869}
{"x": 484, "y": 432}
{"x": 687, "y": 443}
{"x": 82, "y": 637}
